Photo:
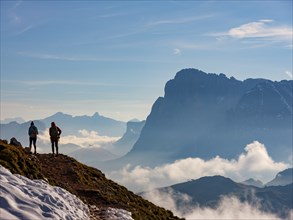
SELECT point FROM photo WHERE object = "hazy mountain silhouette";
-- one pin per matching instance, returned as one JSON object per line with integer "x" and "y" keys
{"x": 8, "y": 120}
{"x": 208, "y": 191}
{"x": 89, "y": 154}
{"x": 204, "y": 115}
{"x": 282, "y": 178}
{"x": 253, "y": 182}
{"x": 69, "y": 125}
{"x": 19, "y": 131}
{"x": 72, "y": 124}
{"x": 126, "y": 142}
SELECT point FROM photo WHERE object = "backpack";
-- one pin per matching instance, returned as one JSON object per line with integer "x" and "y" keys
{"x": 33, "y": 132}
{"x": 54, "y": 132}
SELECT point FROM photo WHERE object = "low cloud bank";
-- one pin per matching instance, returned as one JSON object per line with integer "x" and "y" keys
{"x": 254, "y": 162}
{"x": 228, "y": 207}
{"x": 84, "y": 139}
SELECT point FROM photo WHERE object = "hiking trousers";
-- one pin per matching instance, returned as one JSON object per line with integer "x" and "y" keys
{"x": 33, "y": 141}
{"x": 54, "y": 144}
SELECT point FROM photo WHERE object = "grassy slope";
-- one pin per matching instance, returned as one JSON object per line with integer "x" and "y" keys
{"x": 86, "y": 182}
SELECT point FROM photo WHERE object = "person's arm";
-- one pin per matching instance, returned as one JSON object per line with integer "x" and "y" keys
{"x": 59, "y": 131}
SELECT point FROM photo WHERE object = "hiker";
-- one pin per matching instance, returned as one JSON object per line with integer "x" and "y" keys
{"x": 33, "y": 132}
{"x": 54, "y": 132}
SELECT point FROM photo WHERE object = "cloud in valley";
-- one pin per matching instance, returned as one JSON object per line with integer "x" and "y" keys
{"x": 254, "y": 162}
{"x": 85, "y": 139}
{"x": 228, "y": 207}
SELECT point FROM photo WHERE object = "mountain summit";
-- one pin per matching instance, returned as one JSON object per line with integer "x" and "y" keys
{"x": 204, "y": 115}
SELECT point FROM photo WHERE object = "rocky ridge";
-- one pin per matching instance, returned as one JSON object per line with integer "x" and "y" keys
{"x": 88, "y": 183}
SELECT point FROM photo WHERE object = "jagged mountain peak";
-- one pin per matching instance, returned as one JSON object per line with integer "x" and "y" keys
{"x": 96, "y": 115}
{"x": 197, "y": 104}
{"x": 253, "y": 182}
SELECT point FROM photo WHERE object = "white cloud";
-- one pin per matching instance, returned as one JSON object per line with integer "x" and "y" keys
{"x": 289, "y": 73}
{"x": 176, "y": 51}
{"x": 86, "y": 138}
{"x": 261, "y": 29}
{"x": 253, "y": 163}
{"x": 228, "y": 207}
{"x": 265, "y": 30}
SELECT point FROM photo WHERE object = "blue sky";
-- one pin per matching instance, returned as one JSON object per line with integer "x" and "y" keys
{"x": 114, "y": 57}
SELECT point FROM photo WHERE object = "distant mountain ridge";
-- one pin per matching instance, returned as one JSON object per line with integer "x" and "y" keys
{"x": 282, "y": 178}
{"x": 96, "y": 122}
{"x": 208, "y": 191}
{"x": 253, "y": 182}
{"x": 204, "y": 115}
{"x": 70, "y": 125}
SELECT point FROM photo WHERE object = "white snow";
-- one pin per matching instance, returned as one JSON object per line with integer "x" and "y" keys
{"x": 117, "y": 214}
{"x": 25, "y": 199}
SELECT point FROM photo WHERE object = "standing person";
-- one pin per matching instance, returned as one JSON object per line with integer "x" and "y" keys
{"x": 33, "y": 132}
{"x": 54, "y": 132}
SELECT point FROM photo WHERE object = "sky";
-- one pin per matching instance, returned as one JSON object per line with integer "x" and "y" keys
{"x": 114, "y": 57}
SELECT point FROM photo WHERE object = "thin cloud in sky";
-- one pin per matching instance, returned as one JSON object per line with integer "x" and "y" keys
{"x": 259, "y": 29}
{"x": 29, "y": 27}
{"x": 176, "y": 51}
{"x": 56, "y": 57}
{"x": 70, "y": 58}
{"x": 180, "y": 20}
{"x": 57, "y": 82}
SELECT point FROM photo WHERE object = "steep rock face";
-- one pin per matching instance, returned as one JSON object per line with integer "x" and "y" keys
{"x": 206, "y": 115}
{"x": 126, "y": 142}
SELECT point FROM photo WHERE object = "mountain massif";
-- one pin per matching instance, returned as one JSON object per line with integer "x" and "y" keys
{"x": 204, "y": 115}
{"x": 87, "y": 183}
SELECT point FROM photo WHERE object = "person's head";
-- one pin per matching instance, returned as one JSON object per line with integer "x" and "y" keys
{"x": 32, "y": 123}
{"x": 53, "y": 124}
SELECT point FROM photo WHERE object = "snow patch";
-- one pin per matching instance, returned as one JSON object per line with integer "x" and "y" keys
{"x": 117, "y": 214}
{"x": 22, "y": 198}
